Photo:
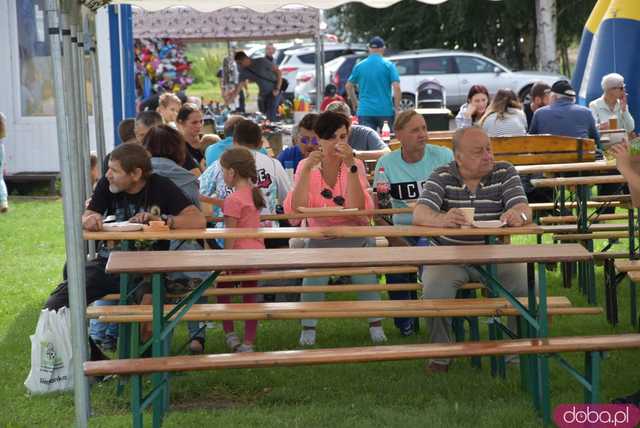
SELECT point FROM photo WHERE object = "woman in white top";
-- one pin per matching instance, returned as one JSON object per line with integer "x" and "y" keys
{"x": 504, "y": 116}
{"x": 4, "y": 204}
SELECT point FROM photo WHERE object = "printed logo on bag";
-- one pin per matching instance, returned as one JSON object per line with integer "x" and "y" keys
{"x": 596, "y": 415}
{"x": 49, "y": 360}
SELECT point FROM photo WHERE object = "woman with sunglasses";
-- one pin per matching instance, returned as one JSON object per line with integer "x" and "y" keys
{"x": 332, "y": 177}
{"x": 305, "y": 142}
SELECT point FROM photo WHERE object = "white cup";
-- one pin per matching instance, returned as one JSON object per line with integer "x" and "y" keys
{"x": 469, "y": 214}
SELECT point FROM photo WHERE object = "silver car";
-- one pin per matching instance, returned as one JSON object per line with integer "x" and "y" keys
{"x": 457, "y": 71}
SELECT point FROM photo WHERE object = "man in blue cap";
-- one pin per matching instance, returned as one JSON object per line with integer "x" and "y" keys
{"x": 375, "y": 78}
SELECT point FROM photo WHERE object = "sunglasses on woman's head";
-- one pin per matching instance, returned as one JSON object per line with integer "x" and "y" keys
{"x": 309, "y": 140}
{"x": 328, "y": 194}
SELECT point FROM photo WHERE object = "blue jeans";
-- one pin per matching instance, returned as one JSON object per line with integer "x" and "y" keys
{"x": 409, "y": 278}
{"x": 3, "y": 186}
{"x": 375, "y": 122}
{"x": 99, "y": 330}
{"x": 270, "y": 104}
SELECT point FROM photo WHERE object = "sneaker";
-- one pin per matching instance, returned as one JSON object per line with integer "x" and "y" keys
{"x": 4, "y": 207}
{"x": 308, "y": 337}
{"x": 408, "y": 329}
{"x": 109, "y": 344}
{"x": 377, "y": 335}
{"x": 233, "y": 341}
{"x": 245, "y": 348}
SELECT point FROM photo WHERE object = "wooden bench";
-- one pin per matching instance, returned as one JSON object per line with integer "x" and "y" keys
{"x": 532, "y": 149}
{"x": 593, "y": 346}
{"x": 545, "y": 206}
{"x": 333, "y": 309}
{"x": 572, "y": 219}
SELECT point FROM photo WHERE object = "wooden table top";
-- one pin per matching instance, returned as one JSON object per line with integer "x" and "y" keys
{"x": 312, "y": 232}
{"x": 320, "y": 214}
{"x": 206, "y": 260}
{"x": 576, "y": 181}
{"x": 565, "y": 167}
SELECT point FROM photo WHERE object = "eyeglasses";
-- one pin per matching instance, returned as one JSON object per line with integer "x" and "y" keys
{"x": 328, "y": 194}
{"x": 309, "y": 140}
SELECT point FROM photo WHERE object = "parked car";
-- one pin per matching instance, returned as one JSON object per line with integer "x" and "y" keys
{"x": 303, "y": 59}
{"x": 457, "y": 71}
{"x": 336, "y": 71}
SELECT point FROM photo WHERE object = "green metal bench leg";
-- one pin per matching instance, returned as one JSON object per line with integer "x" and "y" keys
{"x": 136, "y": 380}
{"x": 545, "y": 400}
{"x": 458, "y": 329}
{"x": 592, "y": 369}
{"x": 158, "y": 348}
{"x": 633, "y": 302}
{"x": 502, "y": 371}
{"x": 524, "y": 359}
{"x": 124, "y": 329}
{"x": 474, "y": 334}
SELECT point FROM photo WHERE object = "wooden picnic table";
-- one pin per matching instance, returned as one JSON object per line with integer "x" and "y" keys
{"x": 157, "y": 263}
{"x": 586, "y": 271}
{"x": 311, "y": 232}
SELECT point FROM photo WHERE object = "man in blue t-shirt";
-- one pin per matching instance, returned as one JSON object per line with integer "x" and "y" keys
{"x": 305, "y": 141}
{"x": 375, "y": 77}
{"x": 214, "y": 151}
{"x": 407, "y": 171}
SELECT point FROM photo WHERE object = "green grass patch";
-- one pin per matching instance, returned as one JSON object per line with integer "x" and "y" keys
{"x": 391, "y": 394}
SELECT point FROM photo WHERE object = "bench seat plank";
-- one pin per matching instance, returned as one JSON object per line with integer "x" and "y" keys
{"x": 276, "y": 310}
{"x": 361, "y": 355}
{"x": 627, "y": 265}
{"x": 309, "y": 232}
{"x": 198, "y": 261}
{"x": 576, "y": 181}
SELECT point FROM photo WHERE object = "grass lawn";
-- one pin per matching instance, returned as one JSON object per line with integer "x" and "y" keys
{"x": 393, "y": 394}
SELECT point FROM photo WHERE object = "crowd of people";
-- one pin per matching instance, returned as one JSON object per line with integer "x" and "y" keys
{"x": 163, "y": 171}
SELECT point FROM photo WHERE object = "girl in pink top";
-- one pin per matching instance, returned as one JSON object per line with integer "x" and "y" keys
{"x": 332, "y": 177}
{"x": 241, "y": 209}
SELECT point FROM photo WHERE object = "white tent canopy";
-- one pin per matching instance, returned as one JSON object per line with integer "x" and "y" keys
{"x": 258, "y": 6}
{"x": 226, "y": 24}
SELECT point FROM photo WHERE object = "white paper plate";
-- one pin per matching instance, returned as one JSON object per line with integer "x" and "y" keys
{"x": 122, "y": 226}
{"x": 488, "y": 223}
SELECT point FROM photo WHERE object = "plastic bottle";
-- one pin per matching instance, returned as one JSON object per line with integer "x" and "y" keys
{"x": 288, "y": 167}
{"x": 385, "y": 133}
{"x": 382, "y": 189}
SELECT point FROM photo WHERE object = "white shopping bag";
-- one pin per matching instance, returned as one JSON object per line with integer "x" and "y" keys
{"x": 51, "y": 353}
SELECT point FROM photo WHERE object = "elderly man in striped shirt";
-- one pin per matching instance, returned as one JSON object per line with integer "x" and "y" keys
{"x": 472, "y": 180}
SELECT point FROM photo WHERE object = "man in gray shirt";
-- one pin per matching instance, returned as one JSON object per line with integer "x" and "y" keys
{"x": 267, "y": 76}
{"x": 365, "y": 141}
{"x": 472, "y": 180}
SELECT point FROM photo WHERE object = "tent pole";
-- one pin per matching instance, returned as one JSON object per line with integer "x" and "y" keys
{"x": 85, "y": 146}
{"x": 77, "y": 104}
{"x": 97, "y": 96}
{"x": 319, "y": 61}
{"x": 72, "y": 219}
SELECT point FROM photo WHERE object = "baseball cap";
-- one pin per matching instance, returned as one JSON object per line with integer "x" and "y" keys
{"x": 563, "y": 87}
{"x": 376, "y": 42}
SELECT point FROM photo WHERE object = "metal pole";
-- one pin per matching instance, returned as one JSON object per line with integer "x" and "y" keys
{"x": 77, "y": 104}
{"x": 319, "y": 67}
{"x": 128, "y": 60}
{"x": 73, "y": 225}
{"x": 97, "y": 97}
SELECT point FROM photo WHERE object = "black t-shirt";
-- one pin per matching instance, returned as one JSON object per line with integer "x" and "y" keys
{"x": 159, "y": 196}
{"x": 195, "y": 154}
